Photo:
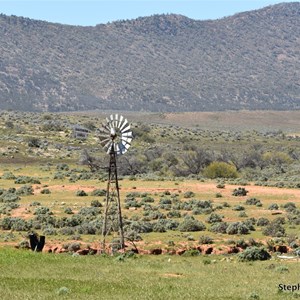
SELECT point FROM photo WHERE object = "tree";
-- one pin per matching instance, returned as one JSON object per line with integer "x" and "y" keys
{"x": 93, "y": 163}
{"x": 196, "y": 160}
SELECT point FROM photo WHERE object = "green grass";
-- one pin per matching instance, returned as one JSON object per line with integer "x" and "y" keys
{"x": 28, "y": 275}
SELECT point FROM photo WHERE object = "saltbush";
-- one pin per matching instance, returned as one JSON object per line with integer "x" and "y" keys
{"x": 98, "y": 192}
{"x": 240, "y": 191}
{"x": 254, "y": 253}
{"x": 191, "y": 224}
{"x": 81, "y": 193}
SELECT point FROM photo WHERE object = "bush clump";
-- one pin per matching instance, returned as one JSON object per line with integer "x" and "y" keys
{"x": 26, "y": 179}
{"x": 253, "y": 201}
{"x": 214, "y": 218}
{"x": 98, "y": 192}
{"x": 274, "y": 229}
{"x": 273, "y": 206}
{"x": 81, "y": 193}
{"x": 204, "y": 240}
{"x": 45, "y": 191}
{"x": 191, "y": 224}
{"x": 254, "y": 253}
{"x": 189, "y": 194}
{"x": 240, "y": 191}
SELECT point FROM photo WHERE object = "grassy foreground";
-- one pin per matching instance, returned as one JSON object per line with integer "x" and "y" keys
{"x": 28, "y": 275}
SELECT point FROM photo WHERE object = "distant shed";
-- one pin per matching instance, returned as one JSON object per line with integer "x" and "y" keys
{"x": 79, "y": 132}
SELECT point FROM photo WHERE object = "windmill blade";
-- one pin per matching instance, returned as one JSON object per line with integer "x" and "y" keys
{"x": 116, "y": 148}
{"x": 125, "y": 129}
{"x": 121, "y": 120}
{"x": 104, "y": 142}
{"x": 123, "y": 125}
{"x": 126, "y": 140}
{"x": 109, "y": 148}
{"x": 122, "y": 148}
{"x": 127, "y": 134}
{"x": 107, "y": 145}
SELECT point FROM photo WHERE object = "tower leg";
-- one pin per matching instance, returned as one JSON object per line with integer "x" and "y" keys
{"x": 112, "y": 195}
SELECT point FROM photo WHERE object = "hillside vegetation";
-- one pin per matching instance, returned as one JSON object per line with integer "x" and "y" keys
{"x": 157, "y": 63}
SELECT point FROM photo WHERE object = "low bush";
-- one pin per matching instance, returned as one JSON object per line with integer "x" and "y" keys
{"x": 81, "y": 193}
{"x": 254, "y": 253}
{"x": 191, "y": 224}
{"x": 220, "y": 227}
{"x": 240, "y": 192}
{"x": 263, "y": 222}
{"x": 98, "y": 192}
{"x": 252, "y": 201}
{"x": 273, "y": 206}
{"x": 45, "y": 191}
{"x": 214, "y": 218}
{"x": 204, "y": 239}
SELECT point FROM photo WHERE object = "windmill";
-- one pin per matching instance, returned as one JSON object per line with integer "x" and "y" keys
{"x": 115, "y": 137}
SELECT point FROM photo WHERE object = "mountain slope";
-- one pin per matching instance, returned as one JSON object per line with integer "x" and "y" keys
{"x": 159, "y": 63}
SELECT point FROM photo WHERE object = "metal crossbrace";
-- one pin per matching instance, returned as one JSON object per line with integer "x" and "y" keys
{"x": 112, "y": 197}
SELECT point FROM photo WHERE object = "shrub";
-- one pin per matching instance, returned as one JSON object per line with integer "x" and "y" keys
{"x": 81, "y": 193}
{"x": 25, "y": 190}
{"x": 89, "y": 211}
{"x": 204, "y": 239}
{"x": 174, "y": 214}
{"x": 238, "y": 207}
{"x": 159, "y": 226}
{"x": 45, "y": 191}
{"x": 96, "y": 203}
{"x": 254, "y": 253}
{"x": 214, "y": 218}
{"x": 274, "y": 229}
{"x": 8, "y": 176}
{"x": 221, "y": 169}
{"x": 73, "y": 247}
{"x": 34, "y": 142}
{"x": 191, "y": 252}
{"x": 273, "y": 206}
{"x": 220, "y": 227}
{"x": 26, "y": 179}
{"x": 221, "y": 186}
{"x": 42, "y": 210}
{"x": 49, "y": 231}
{"x": 68, "y": 210}
{"x": 62, "y": 167}
{"x": 263, "y": 222}
{"x": 252, "y": 201}
{"x": 239, "y": 192}
{"x": 67, "y": 231}
{"x": 189, "y": 194}
{"x": 190, "y": 224}
{"x": 98, "y": 192}
{"x": 242, "y": 214}
{"x": 237, "y": 228}
{"x": 289, "y": 206}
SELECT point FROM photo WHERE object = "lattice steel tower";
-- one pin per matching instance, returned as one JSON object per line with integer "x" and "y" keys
{"x": 115, "y": 137}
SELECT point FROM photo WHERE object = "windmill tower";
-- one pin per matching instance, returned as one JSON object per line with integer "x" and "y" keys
{"x": 115, "y": 137}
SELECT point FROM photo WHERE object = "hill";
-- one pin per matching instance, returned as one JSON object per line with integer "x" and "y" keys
{"x": 158, "y": 63}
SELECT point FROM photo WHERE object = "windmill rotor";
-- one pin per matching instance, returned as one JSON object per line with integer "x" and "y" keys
{"x": 115, "y": 134}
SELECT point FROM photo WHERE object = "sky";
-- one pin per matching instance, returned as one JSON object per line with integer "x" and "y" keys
{"x": 92, "y": 12}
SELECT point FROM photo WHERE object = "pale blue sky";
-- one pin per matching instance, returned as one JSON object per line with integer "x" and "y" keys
{"x": 92, "y": 12}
